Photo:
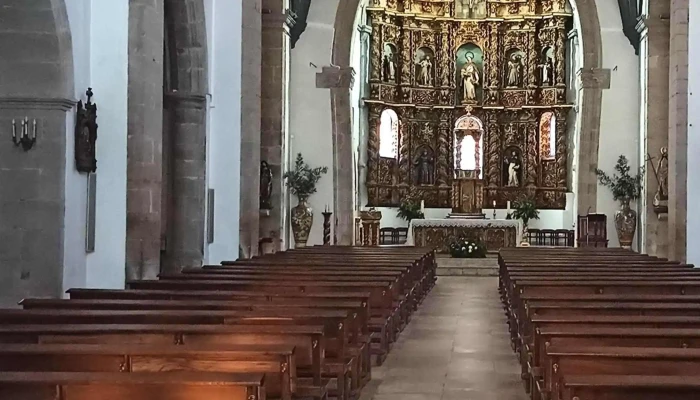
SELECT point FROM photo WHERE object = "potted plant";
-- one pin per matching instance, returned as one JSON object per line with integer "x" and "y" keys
{"x": 410, "y": 208}
{"x": 302, "y": 181}
{"x": 525, "y": 211}
{"x": 625, "y": 188}
{"x": 466, "y": 248}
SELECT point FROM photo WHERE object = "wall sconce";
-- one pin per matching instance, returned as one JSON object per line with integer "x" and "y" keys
{"x": 24, "y": 139}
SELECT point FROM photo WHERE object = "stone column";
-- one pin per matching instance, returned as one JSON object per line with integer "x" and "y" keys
{"x": 250, "y": 127}
{"x": 339, "y": 80}
{"x": 145, "y": 139}
{"x": 274, "y": 116}
{"x": 32, "y": 199}
{"x": 187, "y": 161}
{"x": 592, "y": 83}
{"x": 654, "y": 29}
{"x": 678, "y": 130}
{"x": 363, "y": 128}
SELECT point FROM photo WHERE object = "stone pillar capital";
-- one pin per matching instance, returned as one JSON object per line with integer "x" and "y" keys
{"x": 335, "y": 77}
{"x": 594, "y": 78}
{"x": 275, "y": 21}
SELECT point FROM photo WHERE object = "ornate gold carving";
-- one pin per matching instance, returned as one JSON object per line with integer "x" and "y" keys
{"x": 522, "y": 68}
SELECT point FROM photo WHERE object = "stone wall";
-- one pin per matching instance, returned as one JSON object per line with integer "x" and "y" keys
{"x": 36, "y": 81}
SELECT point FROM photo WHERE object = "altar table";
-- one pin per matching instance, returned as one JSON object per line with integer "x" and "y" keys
{"x": 440, "y": 233}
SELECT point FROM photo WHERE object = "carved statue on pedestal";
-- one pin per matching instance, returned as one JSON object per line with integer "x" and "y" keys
{"x": 470, "y": 78}
{"x": 512, "y": 175}
{"x": 515, "y": 65}
{"x": 265, "y": 186}
{"x": 426, "y": 71}
{"x": 547, "y": 72}
{"x": 661, "y": 173}
{"x": 424, "y": 169}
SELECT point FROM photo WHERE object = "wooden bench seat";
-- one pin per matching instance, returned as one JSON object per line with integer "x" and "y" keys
{"x": 308, "y": 340}
{"x": 277, "y": 362}
{"x": 599, "y": 360}
{"x": 134, "y": 386}
{"x": 626, "y": 387}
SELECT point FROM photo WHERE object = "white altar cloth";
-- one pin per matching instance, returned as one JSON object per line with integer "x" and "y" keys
{"x": 464, "y": 223}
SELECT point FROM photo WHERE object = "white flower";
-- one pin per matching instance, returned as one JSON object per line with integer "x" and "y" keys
{"x": 470, "y": 249}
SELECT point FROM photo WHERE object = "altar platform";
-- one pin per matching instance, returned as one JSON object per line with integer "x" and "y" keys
{"x": 440, "y": 233}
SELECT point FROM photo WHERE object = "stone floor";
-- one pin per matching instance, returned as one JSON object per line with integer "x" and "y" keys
{"x": 455, "y": 348}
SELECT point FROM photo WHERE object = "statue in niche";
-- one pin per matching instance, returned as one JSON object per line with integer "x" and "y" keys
{"x": 547, "y": 72}
{"x": 515, "y": 65}
{"x": 424, "y": 169}
{"x": 470, "y": 78}
{"x": 265, "y": 186}
{"x": 473, "y": 8}
{"x": 426, "y": 71}
{"x": 388, "y": 65}
{"x": 512, "y": 175}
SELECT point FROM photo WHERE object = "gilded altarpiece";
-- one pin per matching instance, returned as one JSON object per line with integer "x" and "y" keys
{"x": 502, "y": 61}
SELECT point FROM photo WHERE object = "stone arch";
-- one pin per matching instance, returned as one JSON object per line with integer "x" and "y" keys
{"x": 593, "y": 81}
{"x": 37, "y": 82}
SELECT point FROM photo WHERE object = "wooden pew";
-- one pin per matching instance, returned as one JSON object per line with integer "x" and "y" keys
{"x": 134, "y": 386}
{"x": 601, "y": 360}
{"x": 277, "y": 362}
{"x": 339, "y": 363}
{"x": 308, "y": 340}
{"x": 625, "y": 387}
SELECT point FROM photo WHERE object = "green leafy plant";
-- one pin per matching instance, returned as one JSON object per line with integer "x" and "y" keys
{"x": 525, "y": 211}
{"x": 409, "y": 208}
{"x": 466, "y": 248}
{"x": 302, "y": 180}
{"x": 623, "y": 185}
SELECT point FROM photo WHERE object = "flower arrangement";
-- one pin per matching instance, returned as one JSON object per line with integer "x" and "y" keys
{"x": 302, "y": 179}
{"x": 466, "y": 248}
{"x": 525, "y": 211}
{"x": 624, "y": 187}
{"x": 410, "y": 208}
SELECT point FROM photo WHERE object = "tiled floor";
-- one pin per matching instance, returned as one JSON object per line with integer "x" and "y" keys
{"x": 455, "y": 348}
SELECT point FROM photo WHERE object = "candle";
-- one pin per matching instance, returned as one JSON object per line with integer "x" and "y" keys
{"x": 494, "y": 204}
{"x": 422, "y": 205}
{"x": 508, "y": 206}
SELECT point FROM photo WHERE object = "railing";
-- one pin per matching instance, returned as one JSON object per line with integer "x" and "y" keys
{"x": 393, "y": 236}
{"x": 551, "y": 237}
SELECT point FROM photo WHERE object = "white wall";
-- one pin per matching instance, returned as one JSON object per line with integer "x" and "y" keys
{"x": 109, "y": 65}
{"x": 693, "y": 227}
{"x": 619, "y": 125}
{"x": 100, "y": 32}
{"x": 224, "y": 22}
{"x": 310, "y": 108}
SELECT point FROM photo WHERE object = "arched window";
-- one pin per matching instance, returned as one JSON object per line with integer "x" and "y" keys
{"x": 469, "y": 144}
{"x": 389, "y": 134}
{"x": 548, "y": 136}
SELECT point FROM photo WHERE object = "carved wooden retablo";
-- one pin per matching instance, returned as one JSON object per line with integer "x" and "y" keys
{"x": 506, "y": 61}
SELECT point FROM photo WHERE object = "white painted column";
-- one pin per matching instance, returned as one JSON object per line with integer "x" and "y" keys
{"x": 224, "y": 163}
{"x": 109, "y": 64}
{"x": 693, "y": 189}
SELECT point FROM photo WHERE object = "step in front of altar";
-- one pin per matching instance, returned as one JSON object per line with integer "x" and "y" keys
{"x": 448, "y": 266}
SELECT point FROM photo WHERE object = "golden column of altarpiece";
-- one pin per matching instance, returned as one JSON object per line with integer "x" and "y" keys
{"x": 501, "y": 61}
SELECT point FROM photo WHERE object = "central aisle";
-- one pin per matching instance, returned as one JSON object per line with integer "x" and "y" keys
{"x": 455, "y": 348}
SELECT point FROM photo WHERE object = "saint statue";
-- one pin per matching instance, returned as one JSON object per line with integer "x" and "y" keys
{"x": 514, "y": 66}
{"x": 513, "y": 169}
{"x": 389, "y": 67}
{"x": 470, "y": 78}
{"x": 265, "y": 186}
{"x": 661, "y": 172}
{"x": 426, "y": 71}
{"x": 424, "y": 166}
{"x": 547, "y": 69}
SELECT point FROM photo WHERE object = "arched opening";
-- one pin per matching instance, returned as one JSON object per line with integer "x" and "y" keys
{"x": 469, "y": 147}
{"x": 389, "y": 134}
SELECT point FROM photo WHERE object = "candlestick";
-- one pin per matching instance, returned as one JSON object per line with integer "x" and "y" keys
{"x": 327, "y": 228}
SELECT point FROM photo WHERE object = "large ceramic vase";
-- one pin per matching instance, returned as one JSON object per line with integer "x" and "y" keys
{"x": 302, "y": 219}
{"x": 625, "y": 224}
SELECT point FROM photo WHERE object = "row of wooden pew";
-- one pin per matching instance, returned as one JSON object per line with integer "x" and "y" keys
{"x": 602, "y": 323}
{"x": 295, "y": 325}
